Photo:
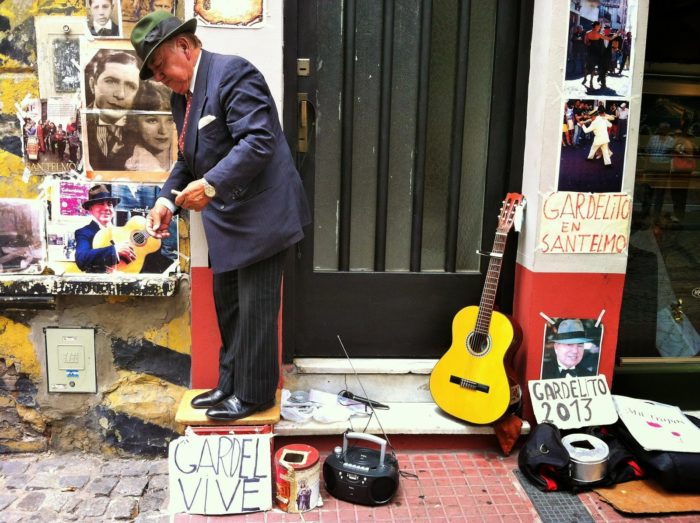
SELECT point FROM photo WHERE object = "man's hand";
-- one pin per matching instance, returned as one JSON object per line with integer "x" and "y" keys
{"x": 158, "y": 221}
{"x": 125, "y": 251}
{"x": 192, "y": 197}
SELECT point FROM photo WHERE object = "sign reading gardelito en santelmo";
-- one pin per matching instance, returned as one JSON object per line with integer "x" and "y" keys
{"x": 589, "y": 223}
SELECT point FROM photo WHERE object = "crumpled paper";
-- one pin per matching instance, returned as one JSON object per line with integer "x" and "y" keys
{"x": 316, "y": 405}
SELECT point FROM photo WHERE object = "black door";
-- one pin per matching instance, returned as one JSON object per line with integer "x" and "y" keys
{"x": 406, "y": 117}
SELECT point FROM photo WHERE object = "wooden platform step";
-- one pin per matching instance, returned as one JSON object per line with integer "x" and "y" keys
{"x": 188, "y": 416}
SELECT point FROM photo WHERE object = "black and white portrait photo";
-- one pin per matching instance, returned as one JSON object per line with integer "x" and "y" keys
{"x": 104, "y": 18}
{"x": 128, "y": 124}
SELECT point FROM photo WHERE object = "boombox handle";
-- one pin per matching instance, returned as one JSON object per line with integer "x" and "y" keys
{"x": 367, "y": 437}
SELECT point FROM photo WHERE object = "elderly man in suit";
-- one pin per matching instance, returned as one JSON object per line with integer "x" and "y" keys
{"x": 235, "y": 167}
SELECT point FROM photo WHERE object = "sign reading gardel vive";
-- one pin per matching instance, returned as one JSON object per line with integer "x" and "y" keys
{"x": 570, "y": 403}
{"x": 590, "y": 223}
{"x": 657, "y": 426}
{"x": 225, "y": 474}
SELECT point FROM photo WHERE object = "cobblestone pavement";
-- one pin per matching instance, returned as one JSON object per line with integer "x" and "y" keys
{"x": 47, "y": 488}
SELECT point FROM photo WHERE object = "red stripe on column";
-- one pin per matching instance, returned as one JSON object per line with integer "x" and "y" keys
{"x": 205, "y": 330}
{"x": 563, "y": 295}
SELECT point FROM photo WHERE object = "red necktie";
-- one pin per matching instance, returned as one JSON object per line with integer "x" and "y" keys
{"x": 181, "y": 139}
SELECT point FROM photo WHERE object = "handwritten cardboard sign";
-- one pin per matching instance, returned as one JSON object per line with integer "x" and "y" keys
{"x": 570, "y": 403}
{"x": 591, "y": 223}
{"x": 656, "y": 426}
{"x": 228, "y": 474}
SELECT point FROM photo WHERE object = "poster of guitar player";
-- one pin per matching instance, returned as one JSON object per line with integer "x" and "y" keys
{"x": 571, "y": 347}
{"x": 100, "y": 228}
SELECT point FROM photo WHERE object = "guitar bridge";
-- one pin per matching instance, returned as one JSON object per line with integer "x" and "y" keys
{"x": 469, "y": 384}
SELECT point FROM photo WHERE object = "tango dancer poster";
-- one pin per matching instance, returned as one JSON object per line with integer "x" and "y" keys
{"x": 600, "y": 58}
{"x": 593, "y": 145}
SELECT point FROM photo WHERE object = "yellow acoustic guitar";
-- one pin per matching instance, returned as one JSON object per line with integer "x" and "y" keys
{"x": 469, "y": 382}
{"x": 134, "y": 231}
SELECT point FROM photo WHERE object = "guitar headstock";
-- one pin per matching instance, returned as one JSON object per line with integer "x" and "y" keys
{"x": 512, "y": 203}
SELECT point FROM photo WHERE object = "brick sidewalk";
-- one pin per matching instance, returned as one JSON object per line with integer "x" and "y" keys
{"x": 449, "y": 486}
{"x": 82, "y": 487}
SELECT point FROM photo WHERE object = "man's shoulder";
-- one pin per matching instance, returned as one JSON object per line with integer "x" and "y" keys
{"x": 226, "y": 62}
{"x": 90, "y": 227}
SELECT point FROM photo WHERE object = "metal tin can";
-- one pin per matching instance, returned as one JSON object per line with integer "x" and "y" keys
{"x": 588, "y": 457}
{"x": 297, "y": 477}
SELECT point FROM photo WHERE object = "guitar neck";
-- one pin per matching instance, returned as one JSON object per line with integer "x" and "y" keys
{"x": 488, "y": 296}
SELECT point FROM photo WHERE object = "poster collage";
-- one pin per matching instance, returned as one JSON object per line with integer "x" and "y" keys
{"x": 103, "y": 139}
{"x": 597, "y": 87}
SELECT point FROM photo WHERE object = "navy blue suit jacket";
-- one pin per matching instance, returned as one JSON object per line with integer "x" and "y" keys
{"x": 93, "y": 260}
{"x": 260, "y": 206}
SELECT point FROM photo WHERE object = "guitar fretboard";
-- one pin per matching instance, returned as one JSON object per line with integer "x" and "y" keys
{"x": 488, "y": 296}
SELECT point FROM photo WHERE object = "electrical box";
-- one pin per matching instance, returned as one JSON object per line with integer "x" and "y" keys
{"x": 70, "y": 360}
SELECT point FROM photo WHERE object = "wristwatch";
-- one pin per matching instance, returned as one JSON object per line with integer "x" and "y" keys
{"x": 209, "y": 189}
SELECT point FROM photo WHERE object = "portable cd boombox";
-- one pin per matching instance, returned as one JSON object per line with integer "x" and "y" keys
{"x": 361, "y": 475}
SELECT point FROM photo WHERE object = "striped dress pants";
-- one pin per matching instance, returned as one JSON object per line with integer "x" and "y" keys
{"x": 247, "y": 302}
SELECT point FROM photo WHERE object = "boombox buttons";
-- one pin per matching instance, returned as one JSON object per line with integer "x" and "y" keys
{"x": 359, "y": 474}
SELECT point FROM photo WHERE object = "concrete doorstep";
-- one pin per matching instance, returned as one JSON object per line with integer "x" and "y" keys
{"x": 401, "y": 384}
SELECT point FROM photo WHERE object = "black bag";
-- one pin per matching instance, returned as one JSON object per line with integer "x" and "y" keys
{"x": 544, "y": 460}
{"x": 675, "y": 471}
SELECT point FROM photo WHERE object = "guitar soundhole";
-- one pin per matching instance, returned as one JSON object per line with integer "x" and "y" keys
{"x": 478, "y": 344}
{"x": 138, "y": 238}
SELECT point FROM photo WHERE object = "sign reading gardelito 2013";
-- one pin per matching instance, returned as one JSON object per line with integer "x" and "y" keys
{"x": 570, "y": 403}
{"x": 226, "y": 474}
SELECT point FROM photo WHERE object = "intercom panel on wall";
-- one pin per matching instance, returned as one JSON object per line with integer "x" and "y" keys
{"x": 70, "y": 360}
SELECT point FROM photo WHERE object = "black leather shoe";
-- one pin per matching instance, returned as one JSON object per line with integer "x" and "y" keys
{"x": 232, "y": 409}
{"x": 208, "y": 399}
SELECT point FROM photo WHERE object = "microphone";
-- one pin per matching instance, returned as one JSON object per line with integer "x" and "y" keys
{"x": 370, "y": 403}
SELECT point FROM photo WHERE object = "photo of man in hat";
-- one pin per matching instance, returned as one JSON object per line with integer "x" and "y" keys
{"x": 235, "y": 167}
{"x": 100, "y": 205}
{"x": 572, "y": 352}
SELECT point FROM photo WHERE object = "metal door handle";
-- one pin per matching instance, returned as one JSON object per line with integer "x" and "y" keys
{"x": 303, "y": 127}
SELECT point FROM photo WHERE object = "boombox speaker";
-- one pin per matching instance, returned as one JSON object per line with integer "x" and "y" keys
{"x": 361, "y": 475}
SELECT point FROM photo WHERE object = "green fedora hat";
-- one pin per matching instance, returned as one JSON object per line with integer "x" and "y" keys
{"x": 154, "y": 29}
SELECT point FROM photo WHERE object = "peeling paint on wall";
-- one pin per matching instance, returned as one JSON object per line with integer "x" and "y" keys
{"x": 22, "y": 427}
{"x": 144, "y": 357}
{"x": 175, "y": 335}
{"x": 61, "y": 7}
{"x": 142, "y": 328}
{"x": 144, "y": 397}
{"x": 16, "y": 347}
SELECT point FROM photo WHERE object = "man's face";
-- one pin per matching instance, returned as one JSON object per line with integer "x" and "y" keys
{"x": 171, "y": 67}
{"x": 163, "y": 5}
{"x": 569, "y": 354}
{"x": 103, "y": 212}
{"x": 100, "y": 11}
{"x": 116, "y": 87}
